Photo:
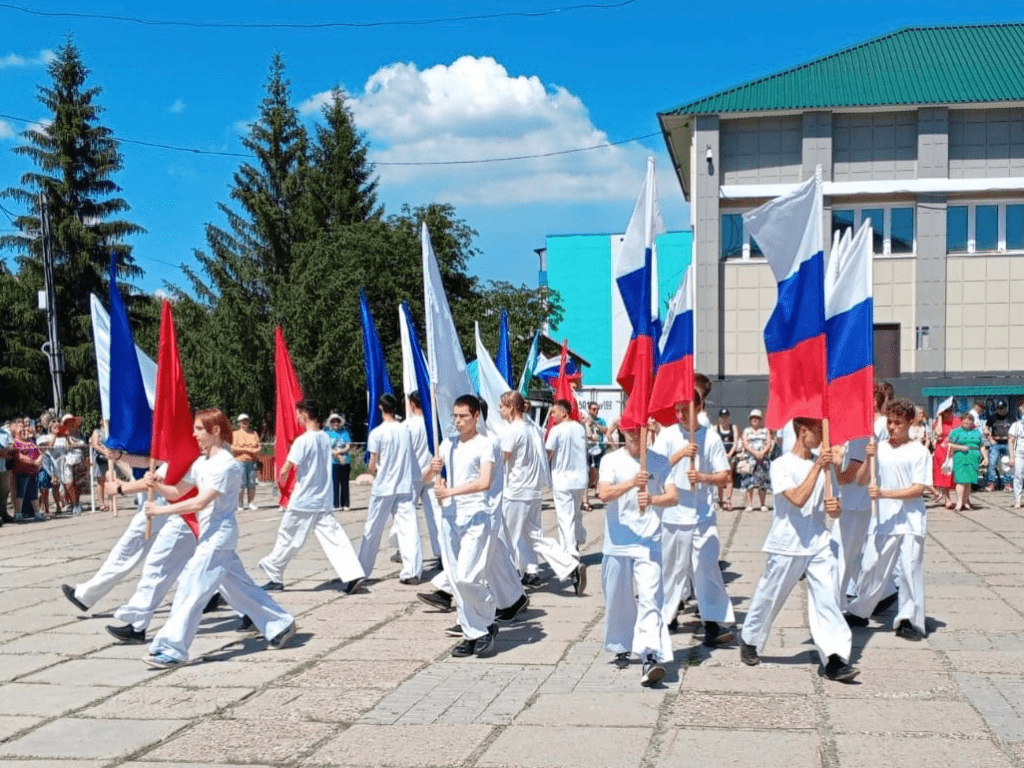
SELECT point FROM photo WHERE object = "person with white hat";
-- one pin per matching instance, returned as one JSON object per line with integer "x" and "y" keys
{"x": 245, "y": 445}
{"x": 757, "y": 443}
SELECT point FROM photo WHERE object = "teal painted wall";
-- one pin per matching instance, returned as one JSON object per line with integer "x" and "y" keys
{"x": 579, "y": 268}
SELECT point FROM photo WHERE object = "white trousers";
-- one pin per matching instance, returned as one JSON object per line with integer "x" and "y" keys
{"x": 881, "y": 556}
{"x": 632, "y": 616}
{"x": 569, "y": 513}
{"x": 424, "y": 497}
{"x": 501, "y": 574}
{"x": 1018, "y": 476}
{"x": 291, "y": 535}
{"x": 850, "y": 532}
{"x": 403, "y": 509}
{"x": 171, "y": 550}
{"x": 214, "y": 567}
{"x": 691, "y": 551}
{"x": 528, "y": 541}
{"x": 467, "y": 546}
{"x": 130, "y": 550}
{"x": 829, "y": 630}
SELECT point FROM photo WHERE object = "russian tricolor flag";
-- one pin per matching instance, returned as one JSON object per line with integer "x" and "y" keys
{"x": 634, "y": 272}
{"x": 789, "y": 231}
{"x": 673, "y": 382}
{"x": 849, "y": 320}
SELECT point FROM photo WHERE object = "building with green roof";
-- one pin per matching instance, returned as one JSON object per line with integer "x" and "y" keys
{"x": 922, "y": 132}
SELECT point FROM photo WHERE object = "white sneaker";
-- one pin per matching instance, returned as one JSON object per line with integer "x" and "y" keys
{"x": 253, "y": 506}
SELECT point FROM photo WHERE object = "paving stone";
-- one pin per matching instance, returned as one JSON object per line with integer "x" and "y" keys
{"x": 242, "y": 741}
{"x": 328, "y": 705}
{"x": 48, "y": 700}
{"x": 536, "y": 746}
{"x": 11, "y": 724}
{"x": 725, "y": 710}
{"x": 929, "y": 752}
{"x": 104, "y": 672}
{"x": 351, "y": 674}
{"x": 77, "y": 738}
{"x": 221, "y": 674}
{"x": 17, "y": 665}
{"x": 733, "y": 747}
{"x": 883, "y": 716}
{"x": 590, "y": 709}
{"x": 401, "y": 745}
{"x": 158, "y": 702}
{"x": 739, "y": 678}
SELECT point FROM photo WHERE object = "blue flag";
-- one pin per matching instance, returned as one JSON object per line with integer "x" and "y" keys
{"x": 504, "y": 359}
{"x": 377, "y": 380}
{"x": 419, "y": 370}
{"x": 131, "y": 418}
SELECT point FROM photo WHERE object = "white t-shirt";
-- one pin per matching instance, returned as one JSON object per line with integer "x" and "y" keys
{"x": 788, "y": 436}
{"x": 497, "y": 490}
{"x": 627, "y": 533}
{"x": 699, "y": 505}
{"x": 568, "y": 441}
{"x": 464, "y": 461}
{"x": 393, "y": 446}
{"x": 223, "y": 474}
{"x": 881, "y": 428}
{"x": 902, "y": 467}
{"x": 854, "y": 497}
{"x": 796, "y": 530}
{"x": 311, "y": 455}
{"x": 524, "y": 473}
{"x": 1017, "y": 432}
{"x": 420, "y": 448}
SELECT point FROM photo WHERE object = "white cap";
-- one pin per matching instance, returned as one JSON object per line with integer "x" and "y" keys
{"x": 945, "y": 405}
{"x": 243, "y": 417}
{"x": 755, "y": 412}
{"x": 334, "y": 417}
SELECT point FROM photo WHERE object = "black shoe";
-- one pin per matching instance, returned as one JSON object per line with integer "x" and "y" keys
{"x": 622, "y": 660}
{"x": 715, "y": 635}
{"x": 652, "y": 673}
{"x": 351, "y": 586}
{"x": 531, "y": 581}
{"x": 906, "y": 631}
{"x": 838, "y": 670}
{"x": 454, "y": 631}
{"x": 464, "y": 649}
{"x": 748, "y": 655}
{"x": 510, "y": 613}
{"x": 396, "y": 558}
{"x": 215, "y": 604}
{"x": 412, "y": 581}
{"x": 579, "y": 579}
{"x": 855, "y": 621}
{"x": 278, "y": 641}
{"x": 886, "y": 603}
{"x": 247, "y": 625}
{"x": 273, "y": 586}
{"x": 127, "y": 634}
{"x": 673, "y": 626}
{"x": 69, "y": 593}
{"x": 488, "y": 644}
{"x": 440, "y": 600}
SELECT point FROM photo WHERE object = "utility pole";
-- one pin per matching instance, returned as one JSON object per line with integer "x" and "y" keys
{"x": 51, "y": 348}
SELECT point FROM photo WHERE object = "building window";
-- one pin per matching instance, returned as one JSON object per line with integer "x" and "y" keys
{"x": 736, "y": 242}
{"x": 887, "y": 351}
{"x": 985, "y": 228}
{"x": 892, "y": 227}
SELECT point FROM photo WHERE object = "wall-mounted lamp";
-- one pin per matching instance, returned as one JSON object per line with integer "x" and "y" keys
{"x": 710, "y": 157}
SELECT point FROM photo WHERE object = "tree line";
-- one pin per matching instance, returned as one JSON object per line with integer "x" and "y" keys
{"x": 302, "y": 231}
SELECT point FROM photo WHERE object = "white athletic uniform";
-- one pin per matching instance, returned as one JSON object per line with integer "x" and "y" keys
{"x": 631, "y": 566}
{"x": 898, "y": 537}
{"x": 215, "y": 566}
{"x": 392, "y": 496}
{"x": 799, "y": 543}
{"x": 310, "y": 508}
{"x": 1017, "y": 432}
{"x": 850, "y": 531}
{"x": 567, "y": 440}
{"x": 689, "y": 541}
{"x": 526, "y": 476}
{"x": 423, "y": 493}
{"x": 467, "y": 523}
{"x": 502, "y": 576}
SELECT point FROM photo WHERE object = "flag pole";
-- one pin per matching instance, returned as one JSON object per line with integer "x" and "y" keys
{"x": 149, "y": 500}
{"x": 643, "y": 458}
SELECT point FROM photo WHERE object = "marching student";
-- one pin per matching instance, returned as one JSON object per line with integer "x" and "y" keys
{"x": 215, "y": 566}
{"x": 851, "y": 530}
{"x": 632, "y": 562}
{"x": 689, "y": 542}
{"x": 903, "y": 476}
{"x": 310, "y": 507}
{"x": 394, "y": 464}
{"x": 423, "y": 493}
{"x": 566, "y": 445}
{"x": 799, "y": 544}
{"x": 526, "y": 475}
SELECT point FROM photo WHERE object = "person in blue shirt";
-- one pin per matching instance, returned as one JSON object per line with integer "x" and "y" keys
{"x": 340, "y": 467}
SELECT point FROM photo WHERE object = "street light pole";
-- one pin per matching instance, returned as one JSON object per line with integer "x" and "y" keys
{"x": 51, "y": 348}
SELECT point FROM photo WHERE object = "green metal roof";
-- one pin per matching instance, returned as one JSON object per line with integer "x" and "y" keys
{"x": 984, "y": 391}
{"x": 917, "y": 65}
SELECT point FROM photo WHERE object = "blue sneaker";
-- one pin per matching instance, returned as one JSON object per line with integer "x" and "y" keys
{"x": 162, "y": 661}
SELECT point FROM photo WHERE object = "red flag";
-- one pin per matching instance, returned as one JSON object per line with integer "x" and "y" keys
{"x": 286, "y": 423}
{"x": 563, "y": 387}
{"x": 172, "y": 417}
{"x": 639, "y": 363}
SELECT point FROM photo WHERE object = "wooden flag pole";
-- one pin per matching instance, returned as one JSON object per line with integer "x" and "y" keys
{"x": 149, "y": 499}
{"x": 872, "y": 468}
{"x": 643, "y": 458}
{"x": 695, "y": 461}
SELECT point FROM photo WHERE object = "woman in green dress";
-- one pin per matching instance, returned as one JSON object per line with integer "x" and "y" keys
{"x": 965, "y": 444}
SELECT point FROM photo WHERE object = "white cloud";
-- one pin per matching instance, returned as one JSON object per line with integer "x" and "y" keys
{"x": 14, "y": 60}
{"x": 42, "y": 126}
{"x": 7, "y": 130}
{"x": 474, "y": 109}
{"x": 177, "y": 107}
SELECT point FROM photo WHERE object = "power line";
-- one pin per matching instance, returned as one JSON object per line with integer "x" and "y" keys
{"x": 317, "y": 24}
{"x": 249, "y": 156}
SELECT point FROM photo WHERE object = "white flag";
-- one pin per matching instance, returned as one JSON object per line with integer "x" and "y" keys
{"x": 492, "y": 383}
{"x": 101, "y": 340}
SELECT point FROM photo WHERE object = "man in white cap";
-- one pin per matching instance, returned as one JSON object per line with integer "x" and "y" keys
{"x": 245, "y": 445}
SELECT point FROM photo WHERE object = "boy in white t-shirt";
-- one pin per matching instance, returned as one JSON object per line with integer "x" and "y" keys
{"x": 566, "y": 445}
{"x": 632, "y": 561}
{"x": 851, "y": 530}
{"x": 690, "y": 543}
{"x": 393, "y": 462}
{"x": 1016, "y": 452}
{"x": 311, "y": 507}
{"x": 904, "y": 472}
{"x": 799, "y": 544}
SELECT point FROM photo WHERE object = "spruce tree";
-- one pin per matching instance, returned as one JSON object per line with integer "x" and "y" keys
{"x": 77, "y": 158}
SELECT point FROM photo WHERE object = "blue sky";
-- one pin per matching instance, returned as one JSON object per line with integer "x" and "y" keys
{"x": 446, "y": 91}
